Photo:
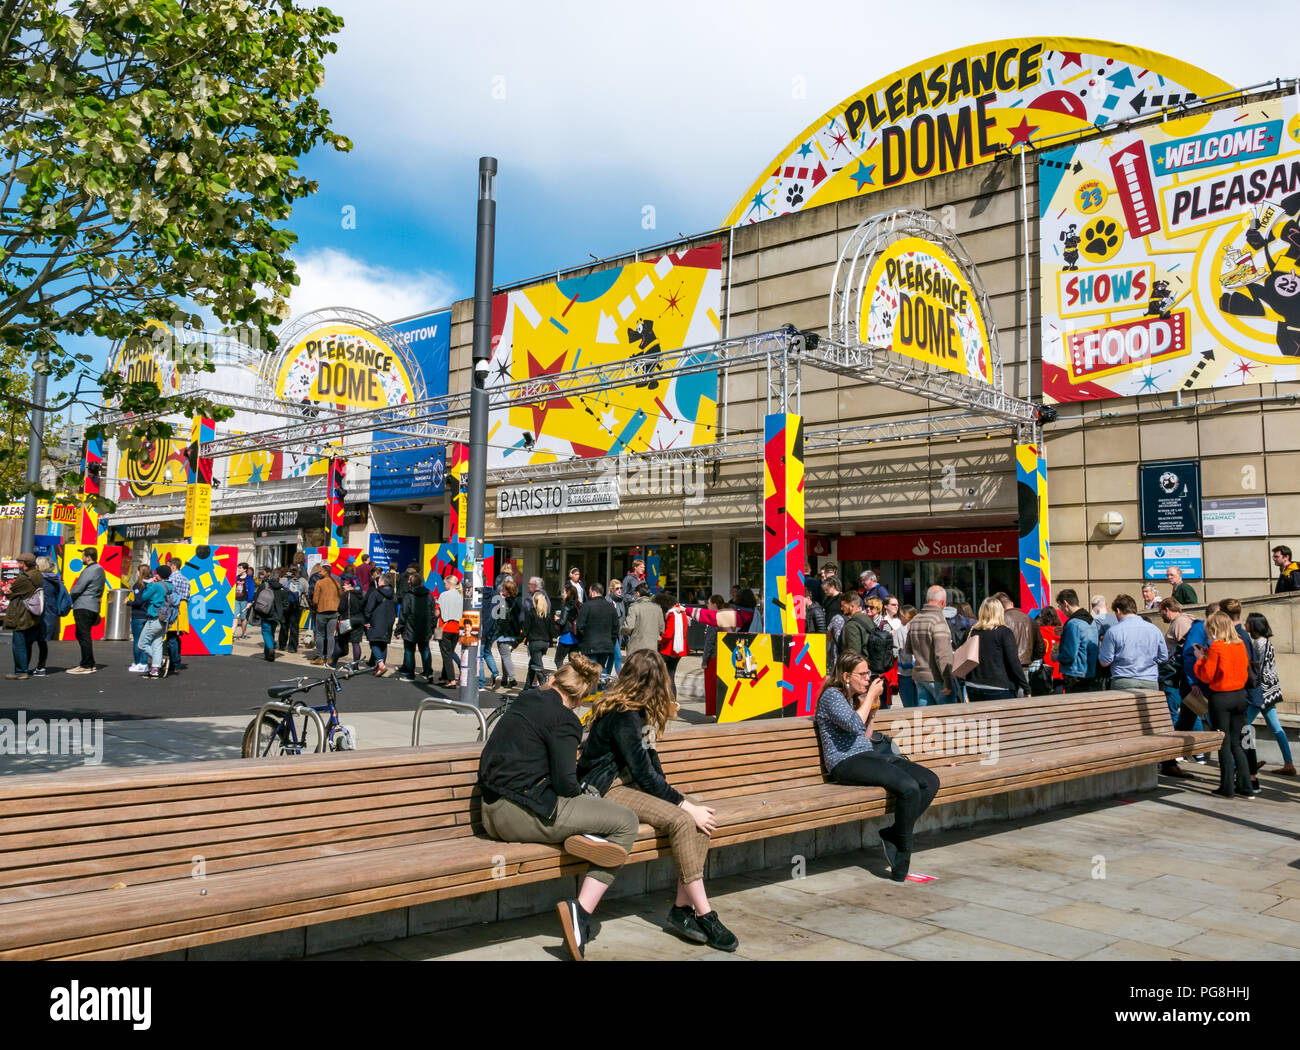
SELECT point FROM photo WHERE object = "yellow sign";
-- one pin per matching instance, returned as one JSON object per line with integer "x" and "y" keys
{"x": 962, "y": 108}
{"x": 341, "y": 364}
{"x": 917, "y": 301}
{"x": 198, "y": 513}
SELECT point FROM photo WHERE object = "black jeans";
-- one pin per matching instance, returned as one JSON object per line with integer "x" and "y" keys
{"x": 289, "y": 629}
{"x": 1079, "y": 685}
{"x": 447, "y": 645}
{"x": 85, "y": 619}
{"x": 912, "y": 786}
{"x": 562, "y": 651}
{"x": 536, "y": 650}
{"x": 671, "y": 663}
{"x": 1228, "y": 714}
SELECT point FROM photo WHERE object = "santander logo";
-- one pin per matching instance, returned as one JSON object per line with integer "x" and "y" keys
{"x": 921, "y": 550}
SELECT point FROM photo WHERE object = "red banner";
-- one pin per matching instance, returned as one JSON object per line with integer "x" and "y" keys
{"x": 930, "y": 546}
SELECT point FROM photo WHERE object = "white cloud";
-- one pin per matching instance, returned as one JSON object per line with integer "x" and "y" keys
{"x": 334, "y": 278}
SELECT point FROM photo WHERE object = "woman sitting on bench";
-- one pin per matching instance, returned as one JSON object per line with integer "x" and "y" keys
{"x": 620, "y": 762}
{"x": 846, "y": 711}
{"x": 531, "y": 794}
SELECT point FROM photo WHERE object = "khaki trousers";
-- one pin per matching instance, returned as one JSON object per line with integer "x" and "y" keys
{"x": 580, "y": 815}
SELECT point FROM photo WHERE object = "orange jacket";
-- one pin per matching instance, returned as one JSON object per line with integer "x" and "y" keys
{"x": 1225, "y": 666}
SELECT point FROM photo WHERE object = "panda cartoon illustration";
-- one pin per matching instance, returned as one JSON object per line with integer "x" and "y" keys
{"x": 1280, "y": 291}
{"x": 1260, "y": 234}
{"x": 1070, "y": 238}
{"x": 1161, "y": 302}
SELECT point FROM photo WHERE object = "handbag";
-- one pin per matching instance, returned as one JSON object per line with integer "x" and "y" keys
{"x": 967, "y": 656}
{"x": 1195, "y": 701}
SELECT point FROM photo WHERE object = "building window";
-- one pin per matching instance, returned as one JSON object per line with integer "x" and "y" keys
{"x": 697, "y": 573}
{"x": 749, "y": 567}
{"x": 552, "y": 574}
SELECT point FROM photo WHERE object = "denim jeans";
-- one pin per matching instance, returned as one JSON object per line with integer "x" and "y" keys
{"x": 408, "y": 658}
{"x": 138, "y": 655}
{"x": 268, "y": 636}
{"x": 1275, "y": 724}
{"x": 928, "y": 693}
{"x": 491, "y": 663}
{"x": 907, "y": 690}
{"x": 151, "y": 642}
{"x": 174, "y": 647}
{"x": 378, "y": 652}
{"x": 23, "y": 643}
{"x": 1175, "y": 701}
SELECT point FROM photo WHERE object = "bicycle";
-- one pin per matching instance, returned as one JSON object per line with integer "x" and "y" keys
{"x": 543, "y": 680}
{"x": 280, "y": 735}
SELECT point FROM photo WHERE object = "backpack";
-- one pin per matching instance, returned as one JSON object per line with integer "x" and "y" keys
{"x": 265, "y": 602}
{"x": 171, "y": 607}
{"x": 294, "y": 588}
{"x": 879, "y": 650}
{"x": 959, "y": 631}
{"x": 36, "y": 603}
{"x": 1172, "y": 673}
{"x": 65, "y": 601}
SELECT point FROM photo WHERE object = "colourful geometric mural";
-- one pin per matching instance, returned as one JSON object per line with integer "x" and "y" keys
{"x": 783, "y": 531}
{"x": 644, "y": 312}
{"x": 769, "y": 675}
{"x": 963, "y": 108}
{"x": 250, "y": 468}
{"x": 439, "y": 559}
{"x": 112, "y": 560}
{"x": 207, "y": 620}
{"x": 1035, "y": 551}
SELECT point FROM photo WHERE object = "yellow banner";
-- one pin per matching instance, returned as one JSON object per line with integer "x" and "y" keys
{"x": 917, "y": 301}
{"x": 341, "y": 364}
{"x": 962, "y": 108}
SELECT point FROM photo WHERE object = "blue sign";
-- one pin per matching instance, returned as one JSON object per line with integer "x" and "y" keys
{"x": 393, "y": 552}
{"x": 47, "y": 547}
{"x": 1157, "y": 558}
{"x": 416, "y": 473}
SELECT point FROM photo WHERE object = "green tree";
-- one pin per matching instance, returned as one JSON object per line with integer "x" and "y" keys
{"x": 148, "y": 161}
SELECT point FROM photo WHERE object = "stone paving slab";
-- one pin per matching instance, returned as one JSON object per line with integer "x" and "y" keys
{"x": 1025, "y": 889}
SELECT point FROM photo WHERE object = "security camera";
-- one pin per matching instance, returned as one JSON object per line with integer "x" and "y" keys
{"x": 481, "y": 371}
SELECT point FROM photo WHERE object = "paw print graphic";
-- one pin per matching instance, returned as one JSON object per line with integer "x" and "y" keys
{"x": 1101, "y": 239}
{"x": 794, "y": 195}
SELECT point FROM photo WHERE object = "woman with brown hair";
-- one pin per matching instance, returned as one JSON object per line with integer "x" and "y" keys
{"x": 846, "y": 711}
{"x": 619, "y": 762}
{"x": 1223, "y": 670}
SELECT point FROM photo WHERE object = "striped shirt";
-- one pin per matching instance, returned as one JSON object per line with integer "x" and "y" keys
{"x": 839, "y": 729}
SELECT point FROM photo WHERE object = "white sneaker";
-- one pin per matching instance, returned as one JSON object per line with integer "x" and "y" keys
{"x": 138, "y": 668}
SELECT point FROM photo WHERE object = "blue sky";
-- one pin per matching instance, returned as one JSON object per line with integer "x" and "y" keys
{"x": 597, "y": 110}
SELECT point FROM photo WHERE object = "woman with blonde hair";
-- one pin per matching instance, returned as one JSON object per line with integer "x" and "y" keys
{"x": 527, "y": 776}
{"x": 1223, "y": 669}
{"x": 999, "y": 673}
{"x": 619, "y": 762}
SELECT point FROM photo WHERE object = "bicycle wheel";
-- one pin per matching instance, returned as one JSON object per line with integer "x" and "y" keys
{"x": 270, "y": 743}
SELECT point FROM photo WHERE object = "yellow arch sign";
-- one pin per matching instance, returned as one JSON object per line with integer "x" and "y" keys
{"x": 963, "y": 108}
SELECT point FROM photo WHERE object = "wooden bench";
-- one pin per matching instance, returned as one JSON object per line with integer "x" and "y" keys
{"x": 102, "y": 863}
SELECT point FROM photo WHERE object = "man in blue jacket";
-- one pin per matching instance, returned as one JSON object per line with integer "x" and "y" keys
{"x": 1079, "y": 643}
{"x": 1189, "y": 720}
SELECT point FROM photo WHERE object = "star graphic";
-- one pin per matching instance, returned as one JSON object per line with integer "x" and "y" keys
{"x": 1107, "y": 141}
{"x": 805, "y": 149}
{"x": 863, "y": 175}
{"x": 1071, "y": 58}
{"x": 503, "y": 370}
{"x": 535, "y": 371}
{"x": 673, "y": 300}
{"x": 760, "y": 201}
{"x": 841, "y": 139}
{"x": 1150, "y": 381}
{"x": 1021, "y": 132}
{"x": 1243, "y": 368}
{"x": 608, "y": 419}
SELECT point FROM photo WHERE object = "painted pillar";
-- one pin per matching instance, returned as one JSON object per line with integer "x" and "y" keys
{"x": 89, "y": 532}
{"x": 1035, "y": 553}
{"x": 783, "y": 531}
{"x": 198, "y": 478}
{"x": 458, "y": 472}
{"x": 335, "y": 493}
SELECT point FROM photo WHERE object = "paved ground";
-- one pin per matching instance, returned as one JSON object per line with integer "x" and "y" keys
{"x": 1187, "y": 875}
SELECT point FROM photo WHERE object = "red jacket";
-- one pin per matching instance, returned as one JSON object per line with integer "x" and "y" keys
{"x": 673, "y": 641}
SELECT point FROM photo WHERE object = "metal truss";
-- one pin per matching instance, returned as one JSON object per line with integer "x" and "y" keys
{"x": 228, "y": 502}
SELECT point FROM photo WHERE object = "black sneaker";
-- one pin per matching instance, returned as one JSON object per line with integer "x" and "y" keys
{"x": 39, "y": 673}
{"x": 898, "y": 870}
{"x": 719, "y": 937}
{"x": 681, "y": 921}
{"x": 576, "y": 924}
{"x": 402, "y": 676}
